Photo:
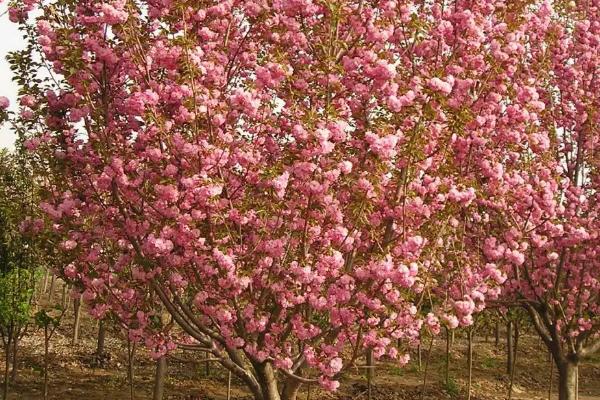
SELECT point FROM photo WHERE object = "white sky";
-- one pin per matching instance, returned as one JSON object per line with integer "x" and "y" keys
{"x": 10, "y": 39}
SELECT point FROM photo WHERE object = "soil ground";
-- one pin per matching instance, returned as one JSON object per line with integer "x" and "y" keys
{"x": 76, "y": 375}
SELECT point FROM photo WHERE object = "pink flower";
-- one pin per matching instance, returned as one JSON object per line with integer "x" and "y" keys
{"x": 69, "y": 244}
{"x": 27, "y": 114}
{"x": 494, "y": 273}
{"x": 384, "y": 147}
{"x": 464, "y": 307}
{"x": 17, "y": 15}
{"x": 515, "y": 257}
{"x": 396, "y": 104}
{"x": 4, "y": 102}
{"x": 284, "y": 363}
{"x": 328, "y": 384}
{"x": 178, "y": 281}
{"x": 450, "y": 320}
{"x": 28, "y": 101}
{"x": 70, "y": 271}
{"x": 336, "y": 365}
{"x": 441, "y": 86}
{"x": 114, "y": 15}
{"x": 280, "y": 184}
{"x": 465, "y": 197}
{"x": 404, "y": 359}
{"x": 433, "y": 323}
{"x": 168, "y": 193}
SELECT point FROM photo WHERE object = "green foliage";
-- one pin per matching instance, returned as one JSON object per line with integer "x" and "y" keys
{"x": 49, "y": 318}
{"x": 452, "y": 388}
{"x": 395, "y": 370}
{"x": 19, "y": 257}
{"x": 16, "y": 292}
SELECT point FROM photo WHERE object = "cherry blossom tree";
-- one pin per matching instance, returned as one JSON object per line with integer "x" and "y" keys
{"x": 295, "y": 181}
{"x": 537, "y": 167}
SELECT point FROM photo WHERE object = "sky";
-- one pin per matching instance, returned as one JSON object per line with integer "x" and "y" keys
{"x": 10, "y": 39}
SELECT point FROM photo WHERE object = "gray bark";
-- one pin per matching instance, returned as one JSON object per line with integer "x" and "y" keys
{"x": 6, "y": 369}
{"x": 567, "y": 380}
{"x": 497, "y": 334}
{"x": 15, "y": 359}
{"x": 101, "y": 338}
{"x": 470, "y": 361}
{"x": 509, "y": 348}
{"x": 159, "y": 379}
{"x": 291, "y": 388}
{"x": 77, "y": 322}
{"x": 370, "y": 366}
{"x": 447, "y": 365}
{"x": 268, "y": 383}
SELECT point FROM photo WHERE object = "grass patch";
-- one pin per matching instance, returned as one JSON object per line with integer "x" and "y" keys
{"x": 396, "y": 370}
{"x": 490, "y": 363}
{"x": 452, "y": 388}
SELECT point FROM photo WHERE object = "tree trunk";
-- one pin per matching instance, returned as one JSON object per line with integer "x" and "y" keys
{"x": 370, "y": 366}
{"x": 206, "y": 364}
{"x": 229, "y": 386}
{"x": 267, "y": 381}
{"x": 291, "y": 388}
{"x": 130, "y": 370}
{"x": 45, "y": 285}
{"x": 470, "y": 360}
{"x": 46, "y": 360}
{"x": 52, "y": 286}
{"x": 447, "y": 366}
{"x": 77, "y": 322}
{"x": 63, "y": 299}
{"x": 101, "y": 338}
{"x": 420, "y": 356}
{"x": 15, "y": 359}
{"x": 551, "y": 378}
{"x": 159, "y": 379}
{"x": 497, "y": 333}
{"x": 426, "y": 369}
{"x": 567, "y": 380}
{"x": 514, "y": 361}
{"x": 6, "y": 369}
{"x": 509, "y": 347}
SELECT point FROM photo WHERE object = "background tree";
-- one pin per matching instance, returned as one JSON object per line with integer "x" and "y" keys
{"x": 18, "y": 258}
{"x": 537, "y": 165}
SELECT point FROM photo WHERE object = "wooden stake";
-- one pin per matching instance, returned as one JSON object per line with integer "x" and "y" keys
{"x": 514, "y": 361}
{"x": 370, "y": 367}
{"x": 447, "y": 366}
{"x": 470, "y": 360}
{"x": 63, "y": 299}
{"x": 52, "y": 286}
{"x": 551, "y": 376}
{"x": 229, "y": 386}
{"x": 77, "y": 321}
{"x": 419, "y": 356}
{"x": 426, "y": 369}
